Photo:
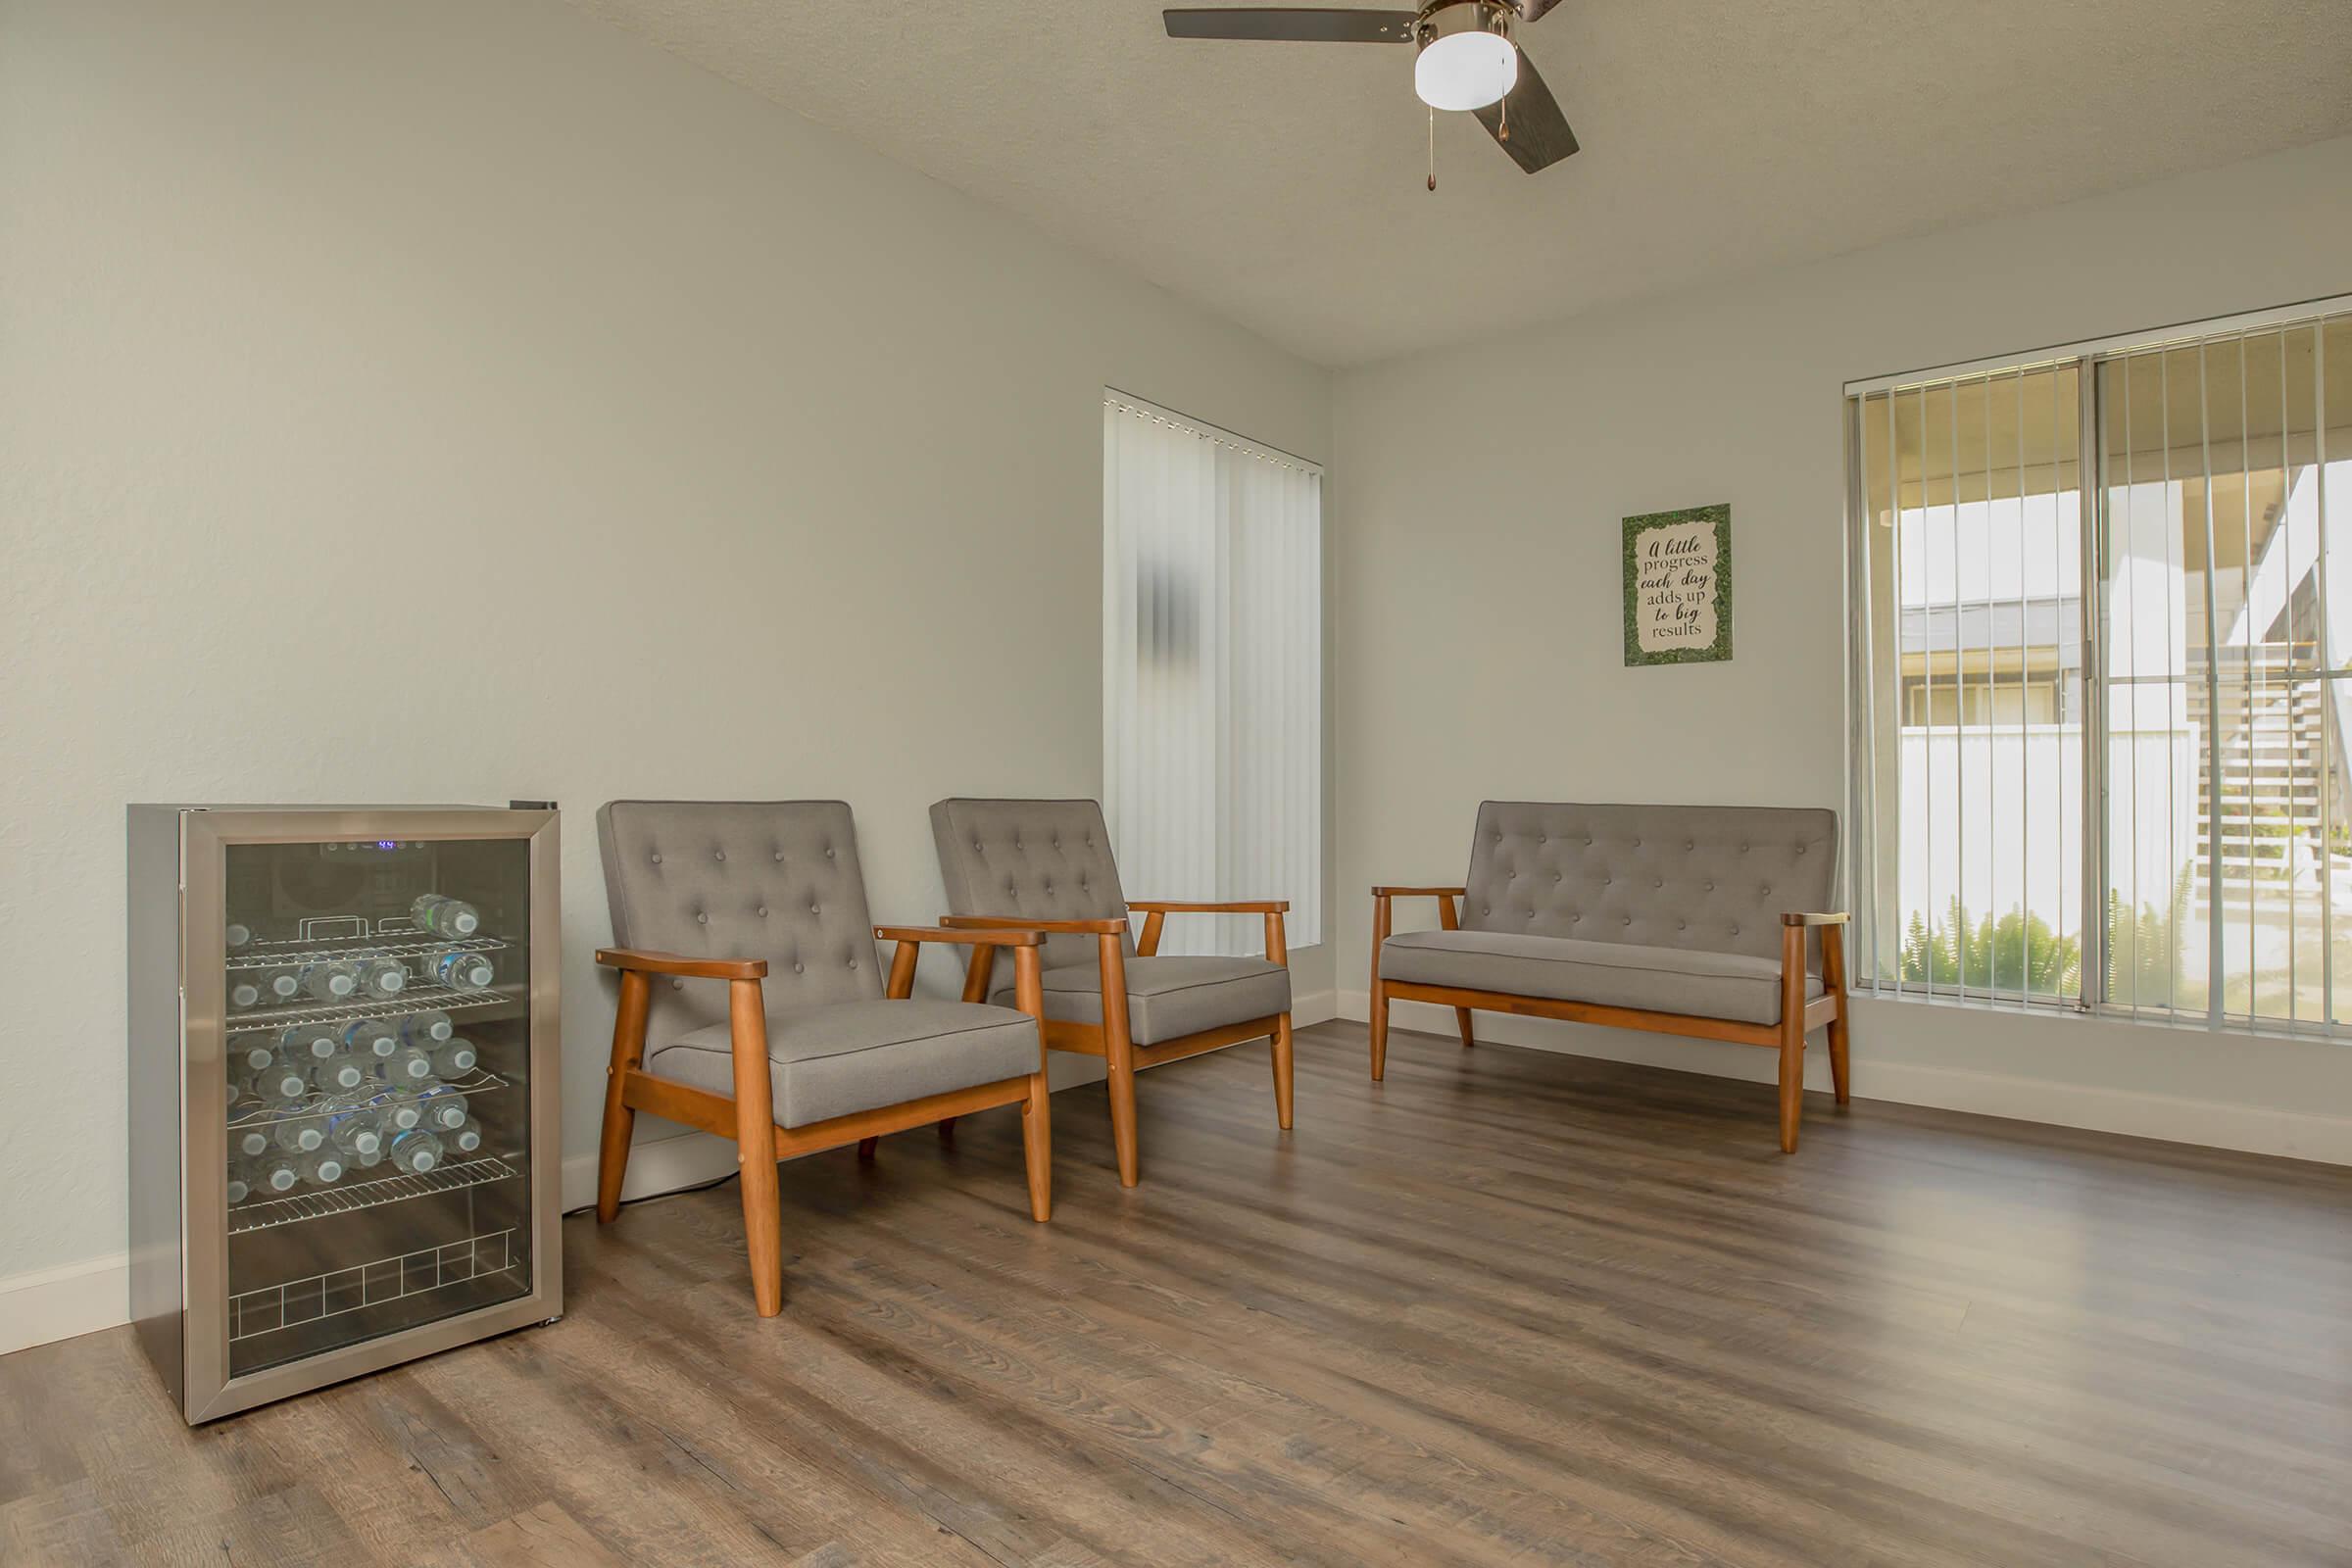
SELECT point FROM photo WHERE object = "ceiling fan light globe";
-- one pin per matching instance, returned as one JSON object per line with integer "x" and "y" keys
{"x": 1465, "y": 71}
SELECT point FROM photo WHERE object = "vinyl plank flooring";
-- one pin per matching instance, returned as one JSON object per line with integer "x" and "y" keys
{"x": 1507, "y": 1307}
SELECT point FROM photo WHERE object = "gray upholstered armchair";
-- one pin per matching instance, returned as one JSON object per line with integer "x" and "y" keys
{"x": 1047, "y": 866}
{"x": 752, "y": 1005}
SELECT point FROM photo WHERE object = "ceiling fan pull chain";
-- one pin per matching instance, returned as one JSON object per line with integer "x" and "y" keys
{"x": 1504, "y": 134}
{"x": 1432, "y": 149}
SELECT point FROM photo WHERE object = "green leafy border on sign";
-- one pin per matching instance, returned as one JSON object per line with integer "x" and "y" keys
{"x": 1721, "y": 648}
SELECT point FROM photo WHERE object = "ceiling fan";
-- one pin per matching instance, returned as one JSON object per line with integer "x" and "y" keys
{"x": 1465, "y": 58}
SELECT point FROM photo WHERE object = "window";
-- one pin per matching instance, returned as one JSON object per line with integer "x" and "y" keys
{"x": 1212, "y": 672}
{"x": 2102, "y": 675}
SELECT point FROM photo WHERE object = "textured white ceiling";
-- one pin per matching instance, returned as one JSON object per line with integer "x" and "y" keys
{"x": 1281, "y": 185}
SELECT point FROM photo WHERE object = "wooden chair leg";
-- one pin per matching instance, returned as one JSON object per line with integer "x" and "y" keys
{"x": 1037, "y": 1147}
{"x": 620, "y": 1121}
{"x": 1037, "y": 1111}
{"x": 1793, "y": 1034}
{"x": 1380, "y": 991}
{"x": 756, "y": 1146}
{"x": 946, "y": 1129}
{"x": 1282, "y": 1072}
{"x": 866, "y": 1150}
{"x": 1119, "y": 1048}
{"x": 1448, "y": 919}
{"x": 1833, "y": 976}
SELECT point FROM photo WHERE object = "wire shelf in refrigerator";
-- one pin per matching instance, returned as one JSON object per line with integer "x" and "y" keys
{"x": 472, "y": 1086}
{"x": 415, "y": 999}
{"x": 317, "y": 1296}
{"x": 392, "y": 944}
{"x": 350, "y": 1198}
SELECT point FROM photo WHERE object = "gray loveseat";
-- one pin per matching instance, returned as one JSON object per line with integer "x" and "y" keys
{"x": 1703, "y": 921}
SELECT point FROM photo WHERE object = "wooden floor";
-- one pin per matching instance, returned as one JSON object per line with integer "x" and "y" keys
{"x": 1506, "y": 1307}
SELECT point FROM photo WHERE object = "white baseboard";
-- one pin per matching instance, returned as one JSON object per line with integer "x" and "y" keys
{"x": 2093, "y": 1107}
{"x": 58, "y": 1303}
{"x": 1316, "y": 1007}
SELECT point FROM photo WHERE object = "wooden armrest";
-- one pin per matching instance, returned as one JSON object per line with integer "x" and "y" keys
{"x": 1418, "y": 892}
{"x": 988, "y": 938}
{"x": 1815, "y": 919}
{"x": 1229, "y": 906}
{"x": 1002, "y": 922}
{"x": 679, "y": 963}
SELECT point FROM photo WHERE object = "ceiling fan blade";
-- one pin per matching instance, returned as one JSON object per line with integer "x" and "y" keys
{"x": 1528, "y": 122}
{"x": 1292, "y": 24}
{"x": 1530, "y": 10}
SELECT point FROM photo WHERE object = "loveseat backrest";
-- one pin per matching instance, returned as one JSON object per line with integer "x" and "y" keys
{"x": 1713, "y": 878}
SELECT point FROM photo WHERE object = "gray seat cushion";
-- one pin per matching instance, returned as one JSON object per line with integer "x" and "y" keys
{"x": 1171, "y": 996}
{"x": 833, "y": 1058}
{"x": 1733, "y": 986}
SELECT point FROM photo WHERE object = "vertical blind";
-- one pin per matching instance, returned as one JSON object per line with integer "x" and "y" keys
{"x": 2101, "y": 688}
{"x": 1212, "y": 672}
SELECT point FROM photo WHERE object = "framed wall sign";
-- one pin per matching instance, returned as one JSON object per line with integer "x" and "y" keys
{"x": 1678, "y": 587}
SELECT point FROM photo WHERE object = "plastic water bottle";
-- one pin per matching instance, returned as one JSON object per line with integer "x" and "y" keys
{"x": 271, "y": 1176}
{"x": 443, "y": 1107}
{"x": 426, "y": 1028}
{"x": 250, "y": 1141}
{"x": 284, "y": 1081}
{"x": 461, "y": 970}
{"x": 330, "y": 979}
{"x": 281, "y": 983}
{"x": 353, "y": 1127}
{"x": 416, "y": 1150}
{"x": 340, "y": 1073}
{"x": 249, "y": 1053}
{"x": 444, "y": 916}
{"x": 372, "y": 1038}
{"x": 395, "y": 1108}
{"x": 310, "y": 1042}
{"x": 381, "y": 978}
{"x": 321, "y": 1167}
{"x": 408, "y": 1068}
{"x": 238, "y": 1188}
{"x": 244, "y": 990}
{"x": 240, "y": 935}
{"x": 453, "y": 1058}
{"x": 465, "y": 1136}
{"x": 296, "y": 1134}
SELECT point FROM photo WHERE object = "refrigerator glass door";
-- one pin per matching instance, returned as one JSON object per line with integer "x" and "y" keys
{"x": 376, "y": 1024}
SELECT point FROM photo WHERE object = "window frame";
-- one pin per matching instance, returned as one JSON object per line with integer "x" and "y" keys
{"x": 1865, "y": 877}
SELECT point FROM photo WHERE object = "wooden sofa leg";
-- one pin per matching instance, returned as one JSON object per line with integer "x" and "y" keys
{"x": 866, "y": 1150}
{"x": 756, "y": 1146}
{"x": 620, "y": 1120}
{"x": 1282, "y": 1072}
{"x": 1380, "y": 991}
{"x": 1461, "y": 1021}
{"x": 1793, "y": 1034}
{"x": 1833, "y": 976}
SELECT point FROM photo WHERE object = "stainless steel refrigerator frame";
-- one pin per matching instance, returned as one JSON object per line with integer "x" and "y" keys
{"x": 178, "y": 869}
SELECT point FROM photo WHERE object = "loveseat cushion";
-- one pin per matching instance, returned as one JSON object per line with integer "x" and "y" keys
{"x": 1731, "y": 986}
{"x": 839, "y": 1057}
{"x": 1172, "y": 996}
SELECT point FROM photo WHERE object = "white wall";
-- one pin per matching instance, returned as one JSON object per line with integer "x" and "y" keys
{"x": 1477, "y": 594}
{"x": 440, "y": 401}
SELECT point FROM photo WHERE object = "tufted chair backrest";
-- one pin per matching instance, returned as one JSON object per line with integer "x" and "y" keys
{"x": 1716, "y": 878}
{"x": 739, "y": 879}
{"x": 1045, "y": 859}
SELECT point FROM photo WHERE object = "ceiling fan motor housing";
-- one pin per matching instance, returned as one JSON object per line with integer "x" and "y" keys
{"x": 1464, "y": 54}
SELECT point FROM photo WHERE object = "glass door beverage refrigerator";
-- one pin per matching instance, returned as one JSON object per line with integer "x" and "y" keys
{"x": 343, "y": 1091}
